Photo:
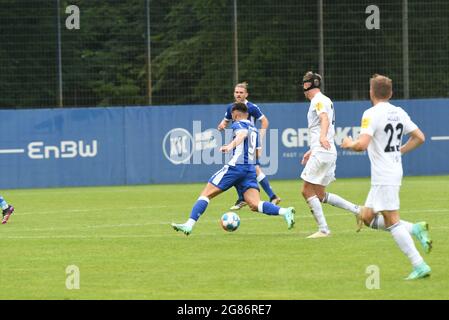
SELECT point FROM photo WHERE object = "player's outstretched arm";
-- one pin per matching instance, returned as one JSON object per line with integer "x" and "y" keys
{"x": 234, "y": 143}
{"x": 416, "y": 139}
{"x": 223, "y": 124}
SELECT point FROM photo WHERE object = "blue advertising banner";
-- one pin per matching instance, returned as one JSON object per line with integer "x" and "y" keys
{"x": 430, "y": 115}
{"x": 171, "y": 144}
{"x": 61, "y": 147}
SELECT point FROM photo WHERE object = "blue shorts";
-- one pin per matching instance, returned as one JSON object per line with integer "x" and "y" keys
{"x": 241, "y": 177}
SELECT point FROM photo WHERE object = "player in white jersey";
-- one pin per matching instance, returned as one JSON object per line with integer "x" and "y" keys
{"x": 383, "y": 127}
{"x": 320, "y": 160}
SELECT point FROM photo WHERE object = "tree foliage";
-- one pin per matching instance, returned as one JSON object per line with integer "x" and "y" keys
{"x": 105, "y": 62}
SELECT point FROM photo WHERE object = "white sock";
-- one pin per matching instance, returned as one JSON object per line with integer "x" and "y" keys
{"x": 317, "y": 211}
{"x": 379, "y": 223}
{"x": 260, "y": 177}
{"x": 260, "y": 206}
{"x": 408, "y": 226}
{"x": 339, "y": 202}
{"x": 405, "y": 242}
{"x": 282, "y": 211}
{"x": 190, "y": 222}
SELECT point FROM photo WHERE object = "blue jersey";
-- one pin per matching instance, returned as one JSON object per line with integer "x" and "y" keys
{"x": 254, "y": 112}
{"x": 245, "y": 153}
{"x": 240, "y": 171}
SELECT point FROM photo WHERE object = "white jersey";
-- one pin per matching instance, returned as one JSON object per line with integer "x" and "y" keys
{"x": 319, "y": 104}
{"x": 386, "y": 124}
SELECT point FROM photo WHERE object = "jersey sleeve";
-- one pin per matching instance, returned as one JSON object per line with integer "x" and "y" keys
{"x": 409, "y": 125}
{"x": 368, "y": 123}
{"x": 321, "y": 106}
{"x": 228, "y": 115}
{"x": 256, "y": 113}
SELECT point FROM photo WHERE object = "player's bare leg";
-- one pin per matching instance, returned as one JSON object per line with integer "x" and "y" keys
{"x": 337, "y": 201}
{"x": 7, "y": 213}
{"x": 7, "y": 210}
{"x": 419, "y": 230}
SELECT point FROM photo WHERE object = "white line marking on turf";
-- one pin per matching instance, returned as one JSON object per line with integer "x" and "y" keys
{"x": 19, "y": 213}
{"x": 171, "y": 234}
{"x": 121, "y": 225}
{"x": 92, "y": 210}
{"x": 93, "y": 190}
{"x": 205, "y": 220}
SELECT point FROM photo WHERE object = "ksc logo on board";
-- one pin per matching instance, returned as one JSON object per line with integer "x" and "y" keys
{"x": 178, "y": 146}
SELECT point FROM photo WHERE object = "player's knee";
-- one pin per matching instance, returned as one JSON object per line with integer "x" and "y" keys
{"x": 367, "y": 217}
{"x": 367, "y": 221}
{"x": 253, "y": 206}
{"x": 305, "y": 193}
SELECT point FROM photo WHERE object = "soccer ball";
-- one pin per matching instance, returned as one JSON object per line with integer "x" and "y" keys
{"x": 230, "y": 221}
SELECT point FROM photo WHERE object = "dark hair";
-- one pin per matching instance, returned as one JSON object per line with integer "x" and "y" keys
{"x": 239, "y": 106}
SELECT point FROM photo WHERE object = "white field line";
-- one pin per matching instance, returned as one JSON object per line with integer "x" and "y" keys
{"x": 92, "y": 190}
{"x": 179, "y": 205}
{"x": 171, "y": 233}
{"x": 204, "y": 220}
{"x": 148, "y": 188}
{"x": 93, "y": 210}
{"x": 121, "y": 225}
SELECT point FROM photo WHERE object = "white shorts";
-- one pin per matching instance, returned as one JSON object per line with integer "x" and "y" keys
{"x": 320, "y": 169}
{"x": 383, "y": 198}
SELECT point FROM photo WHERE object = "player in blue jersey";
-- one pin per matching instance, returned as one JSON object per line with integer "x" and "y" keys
{"x": 254, "y": 113}
{"x": 240, "y": 172}
{"x": 7, "y": 210}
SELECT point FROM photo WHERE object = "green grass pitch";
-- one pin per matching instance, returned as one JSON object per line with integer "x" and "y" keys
{"x": 122, "y": 243}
